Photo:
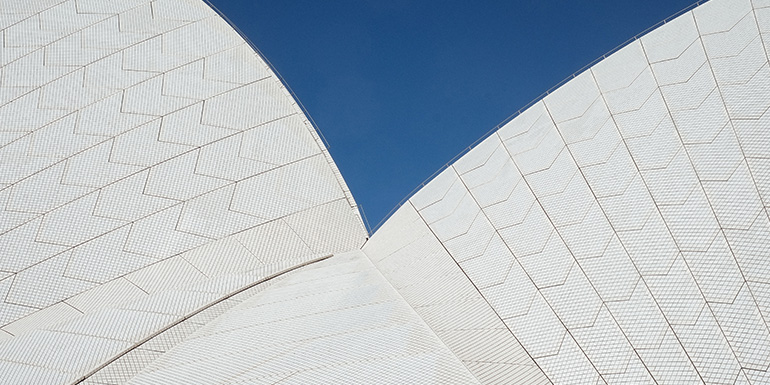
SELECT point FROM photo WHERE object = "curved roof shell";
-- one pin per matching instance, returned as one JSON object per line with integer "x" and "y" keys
{"x": 171, "y": 213}
{"x": 150, "y": 163}
{"x": 618, "y": 228}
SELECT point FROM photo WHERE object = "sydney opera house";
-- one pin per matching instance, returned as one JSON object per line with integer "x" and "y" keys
{"x": 168, "y": 215}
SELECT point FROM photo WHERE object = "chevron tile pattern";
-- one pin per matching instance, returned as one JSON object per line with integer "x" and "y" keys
{"x": 144, "y": 147}
{"x": 168, "y": 214}
{"x": 619, "y": 227}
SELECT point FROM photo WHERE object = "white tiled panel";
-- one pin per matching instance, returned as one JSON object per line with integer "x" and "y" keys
{"x": 621, "y": 223}
{"x": 144, "y": 147}
{"x": 152, "y": 166}
{"x": 335, "y": 321}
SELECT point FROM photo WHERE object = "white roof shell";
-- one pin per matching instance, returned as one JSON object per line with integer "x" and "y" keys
{"x": 619, "y": 227}
{"x": 150, "y": 163}
{"x": 171, "y": 216}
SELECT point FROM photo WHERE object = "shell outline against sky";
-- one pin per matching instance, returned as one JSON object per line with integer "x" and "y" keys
{"x": 151, "y": 162}
{"x": 171, "y": 213}
{"x": 618, "y": 228}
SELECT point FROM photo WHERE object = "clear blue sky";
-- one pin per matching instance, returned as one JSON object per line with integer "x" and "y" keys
{"x": 399, "y": 87}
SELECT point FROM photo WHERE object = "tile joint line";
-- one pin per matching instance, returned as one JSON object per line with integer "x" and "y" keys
{"x": 201, "y": 309}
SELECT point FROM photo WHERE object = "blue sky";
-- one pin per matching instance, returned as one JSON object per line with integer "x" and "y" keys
{"x": 398, "y": 88}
